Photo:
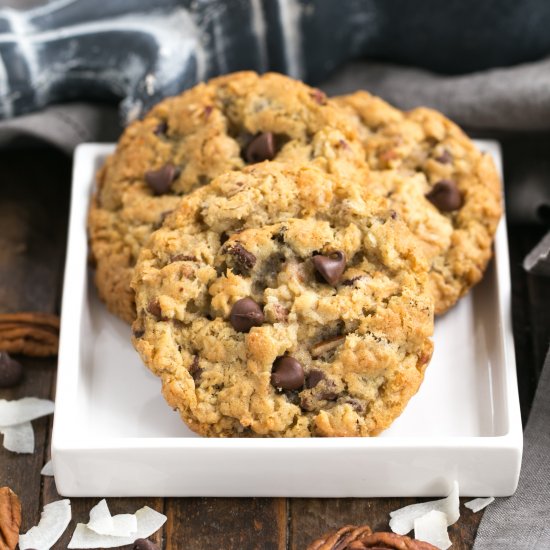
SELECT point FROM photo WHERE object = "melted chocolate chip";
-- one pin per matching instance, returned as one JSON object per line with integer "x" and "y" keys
{"x": 445, "y": 196}
{"x": 162, "y": 217}
{"x": 314, "y": 377}
{"x": 292, "y": 397}
{"x": 330, "y": 267}
{"x": 352, "y": 281}
{"x": 262, "y": 147}
{"x": 245, "y": 259}
{"x": 194, "y": 370}
{"x": 245, "y": 314}
{"x": 328, "y": 395}
{"x": 153, "y": 307}
{"x": 445, "y": 157}
{"x": 11, "y": 371}
{"x": 138, "y": 333}
{"x": 144, "y": 544}
{"x": 161, "y": 129}
{"x": 161, "y": 180}
{"x": 287, "y": 373}
{"x": 356, "y": 405}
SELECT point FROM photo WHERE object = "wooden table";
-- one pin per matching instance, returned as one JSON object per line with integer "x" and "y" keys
{"x": 34, "y": 197}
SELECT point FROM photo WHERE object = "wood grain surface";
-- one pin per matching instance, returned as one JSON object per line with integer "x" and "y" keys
{"x": 34, "y": 195}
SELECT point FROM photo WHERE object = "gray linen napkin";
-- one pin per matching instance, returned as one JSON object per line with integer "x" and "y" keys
{"x": 522, "y": 521}
{"x": 62, "y": 126}
{"x": 511, "y": 98}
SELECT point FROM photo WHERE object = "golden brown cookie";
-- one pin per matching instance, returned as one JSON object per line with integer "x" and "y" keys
{"x": 185, "y": 141}
{"x": 443, "y": 187}
{"x": 280, "y": 301}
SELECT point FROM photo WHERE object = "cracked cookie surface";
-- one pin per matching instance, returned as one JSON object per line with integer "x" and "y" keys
{"x": 186, "y": 141}
{"x": 444, "y": 188}
{"x": 262, "y": 324}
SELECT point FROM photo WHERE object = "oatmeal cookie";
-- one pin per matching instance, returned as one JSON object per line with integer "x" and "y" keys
{"x": 448, "y": 192}
{"x": 186, "y": 141}
{"x": 263, "y": 324}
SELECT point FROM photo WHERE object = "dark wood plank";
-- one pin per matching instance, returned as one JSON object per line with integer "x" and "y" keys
{"x": 310, "y": 518}
{"x": 33, "y": 219}
{"x": 228, "y": 523}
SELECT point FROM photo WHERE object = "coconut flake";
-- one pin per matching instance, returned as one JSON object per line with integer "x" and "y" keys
{"x": 478, "y": 503}
{"x": 402, "y": 520}
{"x": 18, "y": 438}
{"x": 148, "y": 522}
{"x": 432, "y": 528}
{"x": 23, "y": 410}
{"x": 101, "y": 521}
{"x": 55, "y": 518}
{"x": 47, "y": 469}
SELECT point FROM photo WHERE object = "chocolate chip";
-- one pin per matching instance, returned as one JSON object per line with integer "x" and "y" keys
{"x": 161, "y": 129}
{"x": 445, "y": 157}
{"x": 262, "y": 147}
{"x": 224, "y": 237}
{"x": 153, "y": 307}
{"x": 194, "y": 370}
{"x": 160, "y": 180}
{"x": 144, "y": 544}
{"x": 330, "y": 267}
{"x": 138, "y": 333}
{"x": 245, "y": 314}
{"x": 445, "y": 196}
{"x": 314, "y": 377}
{"x": 207, "y": 111}
{"x": 243, "y": 257}
{"x": 393, "y": 214}
{"x": 287, "y": 373}
{"x": 11, "y": 371}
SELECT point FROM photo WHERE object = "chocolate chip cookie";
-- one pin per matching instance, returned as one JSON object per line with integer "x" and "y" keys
{"x": 186, "y": 141}
{"x": 263, "y": 324}
{"x": 448, "y": 192}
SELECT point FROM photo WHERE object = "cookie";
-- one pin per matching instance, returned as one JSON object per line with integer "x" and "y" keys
{"x": 452, "y": 199}
{"x": 186, "y": 141}
{"x": 280, "y": 326}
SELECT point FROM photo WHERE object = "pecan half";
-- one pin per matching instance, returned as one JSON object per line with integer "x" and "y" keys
{"x": 10, "y": 519}
{"x": 352, "y": 537}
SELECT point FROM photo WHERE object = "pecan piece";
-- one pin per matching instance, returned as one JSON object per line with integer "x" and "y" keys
{"x": 320, "y": 348}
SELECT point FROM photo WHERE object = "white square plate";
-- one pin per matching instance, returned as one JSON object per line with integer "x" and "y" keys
{"x": 115, "y": 436}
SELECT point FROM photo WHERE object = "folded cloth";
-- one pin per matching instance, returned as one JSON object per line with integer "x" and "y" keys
{"x": 523, "y": 520}
{"x": 511, "y": 98}
{"x": 62, "y": 126}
